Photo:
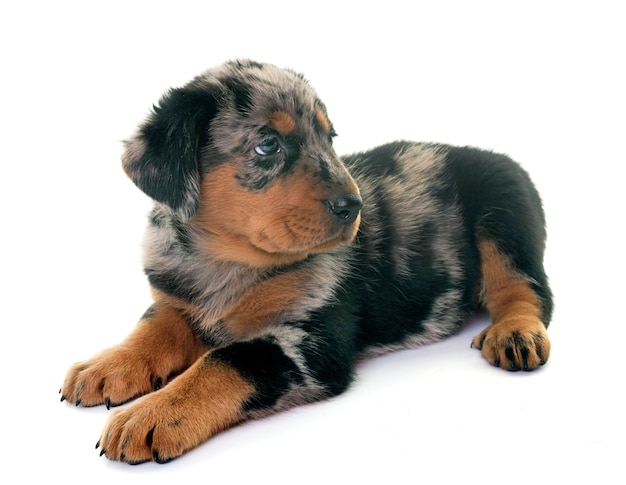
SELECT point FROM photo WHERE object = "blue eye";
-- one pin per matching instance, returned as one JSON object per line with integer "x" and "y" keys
{"x": 269, "y": 146}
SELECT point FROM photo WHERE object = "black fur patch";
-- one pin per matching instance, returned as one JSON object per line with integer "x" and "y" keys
{"x": 271, "y": 380}
{"x": 172, "y": 284}
{"x": 241, "y": 92}
{"x": 167, "y": 170}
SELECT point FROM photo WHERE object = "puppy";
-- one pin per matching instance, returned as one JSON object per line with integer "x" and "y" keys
{"x": 275, "y": 266}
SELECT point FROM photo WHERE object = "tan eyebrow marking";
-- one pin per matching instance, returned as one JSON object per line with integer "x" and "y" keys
{"x": 322, "y": 119}
{"x": 283, "y": 123}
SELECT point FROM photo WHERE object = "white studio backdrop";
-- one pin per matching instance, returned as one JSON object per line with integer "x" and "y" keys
{"x": 540, "y": 81}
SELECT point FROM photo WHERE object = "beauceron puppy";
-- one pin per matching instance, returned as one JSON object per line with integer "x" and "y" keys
{"x": 275, "y": 265}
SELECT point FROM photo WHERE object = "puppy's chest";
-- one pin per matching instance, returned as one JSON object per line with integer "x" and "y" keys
{"x": 209, "y": 294}
{"x": 239, "y": 312}
{"x": 228, "y": 302}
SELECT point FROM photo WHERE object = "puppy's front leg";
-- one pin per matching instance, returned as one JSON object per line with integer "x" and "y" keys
{"x": 221, "y": 389}
{"x": 161, "y": 346}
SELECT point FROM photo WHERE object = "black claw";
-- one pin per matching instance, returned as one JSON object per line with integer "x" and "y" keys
{"x": 62, "y": 398}
{"x": 98, "y": 444}
{"x": 481, "y": 342}
{"x": 77, "y": 402}
{"x": 496, "y": 363}
{"x": 159, "y": 460}
{"x": 102, "y": 452}
{"x": 107, "y": 403}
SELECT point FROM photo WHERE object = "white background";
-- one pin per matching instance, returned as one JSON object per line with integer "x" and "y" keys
{"x": 542, "y": 81}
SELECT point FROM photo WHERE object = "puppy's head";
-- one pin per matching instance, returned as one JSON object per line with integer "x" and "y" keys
{"x": 244, "y": 154}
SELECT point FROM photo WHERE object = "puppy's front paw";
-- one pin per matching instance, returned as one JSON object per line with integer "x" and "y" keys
{"x": 516, "y": 343}
{"x": 205, "y": 399}
{"x": 150, "y": 429}
{"x": 112, "y": 377}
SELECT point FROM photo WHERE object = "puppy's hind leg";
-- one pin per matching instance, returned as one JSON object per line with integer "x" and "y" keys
{"x": 517, "y": 338}
{"x": 505, "y": 211}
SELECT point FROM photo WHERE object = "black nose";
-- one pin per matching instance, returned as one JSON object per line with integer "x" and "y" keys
{"x": 345, "y": 207}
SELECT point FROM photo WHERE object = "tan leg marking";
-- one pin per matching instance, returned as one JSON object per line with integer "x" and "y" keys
{"x": 204, "y": 400}
{"x": 161, "y": 346}
{"x": 517, "y": 339}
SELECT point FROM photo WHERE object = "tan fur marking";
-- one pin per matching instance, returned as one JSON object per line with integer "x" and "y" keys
{"x": 322, "y": 119}
{"x": 504, "y": 291}
{"x": 206, "y": 399}
{"x": 282, "y": 224}
{"x": 161, "y": 346}
{"x": 260, "y": 305}
{"x": 517, "y": 339}
{"x": 283, "y": 123}
{"x": 255, "y": 309}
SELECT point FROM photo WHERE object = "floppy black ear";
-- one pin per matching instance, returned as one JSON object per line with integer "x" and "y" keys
{"x": 161, "y": 159}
